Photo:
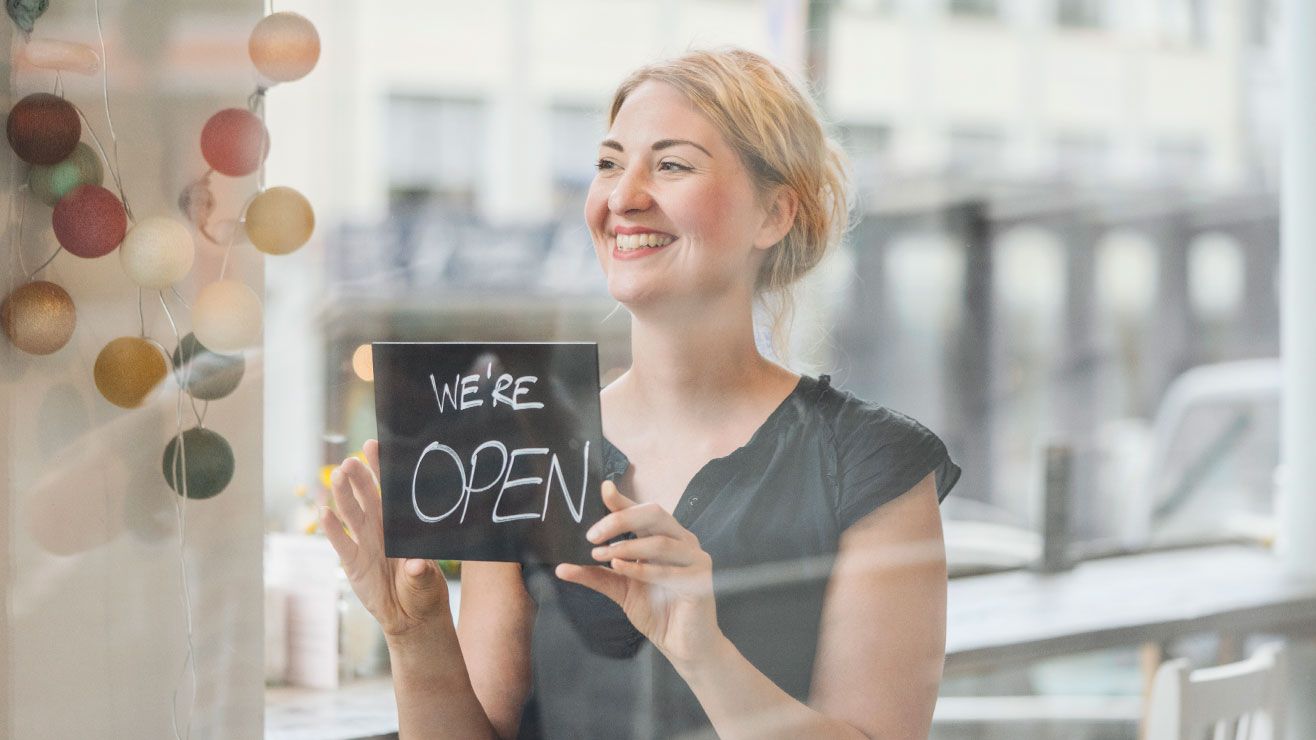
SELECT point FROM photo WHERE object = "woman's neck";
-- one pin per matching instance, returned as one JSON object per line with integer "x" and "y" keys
{"x": 697, "y": 369}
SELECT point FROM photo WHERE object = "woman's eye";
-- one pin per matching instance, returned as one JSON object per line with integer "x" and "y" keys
{"x": 679, "y": 167}
{"x": 603, "y": 164}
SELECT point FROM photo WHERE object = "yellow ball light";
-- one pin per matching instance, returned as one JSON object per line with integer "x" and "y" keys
{"x": 38, "y": 317}
{"x": 157, "y": 252}
{"x": 226, "y": 317}
{"x": 363, "y": 363}
{"x": 128, "y": 369}
{"x": 279, "y": 221}
{"x": 284, "y": 47}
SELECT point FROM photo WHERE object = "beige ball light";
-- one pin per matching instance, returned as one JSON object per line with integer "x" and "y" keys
{"x": 157, "y": 252}
{"x": 284, "y": 47}
{"x": 279, "y": 221}
{"x": 226, "y": 316}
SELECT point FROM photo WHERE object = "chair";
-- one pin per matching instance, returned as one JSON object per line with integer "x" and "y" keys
{"x": 1184, "y": 704}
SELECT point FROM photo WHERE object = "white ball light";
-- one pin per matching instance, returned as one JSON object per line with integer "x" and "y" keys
{"x": 226, "y": 317}
{"x": 157, "y": 252}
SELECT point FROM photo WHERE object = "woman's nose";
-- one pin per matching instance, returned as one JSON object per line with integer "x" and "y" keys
{"x": 630, "y": 194}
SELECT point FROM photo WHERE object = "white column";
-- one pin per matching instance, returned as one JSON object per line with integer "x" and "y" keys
{"x": 1297, "y": 535}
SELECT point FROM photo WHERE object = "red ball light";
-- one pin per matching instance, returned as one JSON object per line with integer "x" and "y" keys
{"x": 43, "y": 129}
{"x": 234, "y": 142}
{"x": 89, "y": 221}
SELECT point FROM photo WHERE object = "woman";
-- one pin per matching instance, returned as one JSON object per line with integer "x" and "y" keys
{"x": 781, "y": 569}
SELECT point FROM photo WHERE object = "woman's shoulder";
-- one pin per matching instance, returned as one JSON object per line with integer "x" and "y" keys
{"x": 854, "y": 420}
{"x": 880, "y": 452}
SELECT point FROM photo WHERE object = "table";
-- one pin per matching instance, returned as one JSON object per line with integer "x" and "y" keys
{"x": 1021, "y": 616}
{"x": 1143, "y": 600}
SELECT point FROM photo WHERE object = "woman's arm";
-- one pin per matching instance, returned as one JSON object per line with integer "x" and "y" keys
{"x": 482, "y": 695}
{"x": 494, "y": 630}
{"x": 435, "y": 692}
{"x": 882, "y": 644}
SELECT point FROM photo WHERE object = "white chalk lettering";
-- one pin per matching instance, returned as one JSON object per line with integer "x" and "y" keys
{"x": 577, "y": 510}
{"x": 449, "y": 393}
{"x": 469, "y": 486}
{"x": 516, "y": 394}
{"x": 461, "y": 472}
{"x": 500, "y": 390}
{"x": 468, "y": 387}
{"x": 509, "y": 483}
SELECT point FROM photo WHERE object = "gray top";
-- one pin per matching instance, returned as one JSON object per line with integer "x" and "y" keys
{"x": 771, "y": 514}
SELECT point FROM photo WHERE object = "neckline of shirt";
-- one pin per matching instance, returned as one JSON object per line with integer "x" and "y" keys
{"x": 616, "y": 463}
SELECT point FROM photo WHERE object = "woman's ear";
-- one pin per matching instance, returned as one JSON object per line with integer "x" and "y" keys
{"x": 780, "y": 218}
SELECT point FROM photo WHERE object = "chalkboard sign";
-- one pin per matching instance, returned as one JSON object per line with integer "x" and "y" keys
{"x": 489, "y": 451}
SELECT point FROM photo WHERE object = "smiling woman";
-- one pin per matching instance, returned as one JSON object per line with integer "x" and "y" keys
{"x": 772, "y": 564}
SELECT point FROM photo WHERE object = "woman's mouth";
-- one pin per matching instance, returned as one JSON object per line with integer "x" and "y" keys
{"x": 632, "y": 246}
{"x": 632, "y": 242}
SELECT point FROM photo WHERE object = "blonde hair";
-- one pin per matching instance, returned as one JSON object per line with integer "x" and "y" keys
{"x": 779, "y": 134}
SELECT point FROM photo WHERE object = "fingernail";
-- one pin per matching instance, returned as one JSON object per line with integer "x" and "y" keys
{"x": 592, "y": 535}
{"x": 336, "y": 476}
{"x": 324, "y": 512}
{"x": 599, "y": 553}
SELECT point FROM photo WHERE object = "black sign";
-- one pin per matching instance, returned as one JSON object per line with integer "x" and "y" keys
{"x": 489, "y": 451}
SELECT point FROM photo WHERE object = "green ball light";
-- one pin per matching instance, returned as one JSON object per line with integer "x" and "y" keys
{"x": 49, "y": 183}
{"x": 207, "y": 375}
{"x": 205, "y": 456}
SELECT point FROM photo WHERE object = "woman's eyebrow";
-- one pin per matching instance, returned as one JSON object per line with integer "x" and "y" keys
{"x": 657, "y": 145}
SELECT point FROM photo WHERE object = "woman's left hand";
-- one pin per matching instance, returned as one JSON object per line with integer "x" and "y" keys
{"x": 662, "y": 579}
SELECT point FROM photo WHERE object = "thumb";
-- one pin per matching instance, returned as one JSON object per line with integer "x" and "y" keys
{"x": 422, "y": 576}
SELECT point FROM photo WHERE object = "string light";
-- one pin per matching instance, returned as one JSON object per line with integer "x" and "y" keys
{"x": 90, "y": 221}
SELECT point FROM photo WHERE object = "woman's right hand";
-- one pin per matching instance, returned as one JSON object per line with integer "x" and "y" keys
{"x": 405, "y": 595}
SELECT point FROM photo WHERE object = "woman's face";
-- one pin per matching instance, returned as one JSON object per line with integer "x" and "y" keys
{"x": 672, "y": 211}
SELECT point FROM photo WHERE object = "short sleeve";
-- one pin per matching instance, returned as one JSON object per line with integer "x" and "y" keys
{"x": 881, "y": 454}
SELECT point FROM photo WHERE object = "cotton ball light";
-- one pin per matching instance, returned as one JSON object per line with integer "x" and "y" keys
{"x": 127, "y": 370}
{"x": 226, "y": 316}
{"x": 206, "y": 375}
{"x": 43, "y": 128}
{"x": 157, "y": 252}
{"x": 89, "y": 221}
{"x": 51, "y": 182}
{"x": 204, "y": 462}
{"x": 284, "y": 47}
{"x": 61, "y": 56}
{"x": 234, "y": 142}
{"x": 279, "y": 220}
{"x": 38, "y": 317}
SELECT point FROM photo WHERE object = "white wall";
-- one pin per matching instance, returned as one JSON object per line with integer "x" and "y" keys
{"x": 93, "y": 636}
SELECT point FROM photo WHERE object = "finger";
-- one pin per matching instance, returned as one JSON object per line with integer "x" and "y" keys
{"x": 595, "y": 577}
{"x": 348, "y": 508}
{"x": 365, "y": 491}
{"x": 614, "y": 499}
{"x": 658, "y": 549}
{"x": 670, "y": 576}
{"x": 642, "y": 519}
{"x": 338, "y": 537}
{"x": 371, "y": 449}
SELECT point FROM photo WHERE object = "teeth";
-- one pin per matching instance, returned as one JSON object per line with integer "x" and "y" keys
{"x": 628, "y": 242}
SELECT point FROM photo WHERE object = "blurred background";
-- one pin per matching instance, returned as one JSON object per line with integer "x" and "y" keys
{"x": 1065, "y": 263}
{"x": 1067, "y": 237}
